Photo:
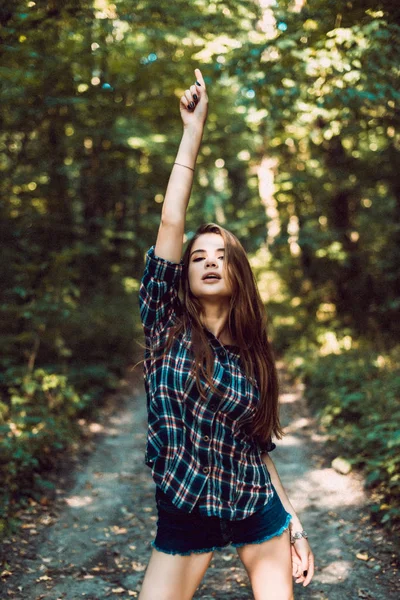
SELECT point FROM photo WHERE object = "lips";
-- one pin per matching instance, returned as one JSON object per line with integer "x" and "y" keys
{"x": 211, "y": 276}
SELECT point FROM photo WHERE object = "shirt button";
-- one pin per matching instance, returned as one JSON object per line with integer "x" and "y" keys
{"x": 206, "y": 438}
{"x": 205, "y": 469}
{"x": 213, "y": 406}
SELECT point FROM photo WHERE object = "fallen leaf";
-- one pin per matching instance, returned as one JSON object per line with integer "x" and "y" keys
{"x": 137, "y": 566}
{"x": 6, "y": 573}
{"x": 119, "y": 530}
{"x": 362, "y": 556}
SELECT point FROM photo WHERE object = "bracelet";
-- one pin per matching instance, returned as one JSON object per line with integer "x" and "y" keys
{"x": 179, "y": 165}
{"x": 298, "y": 535}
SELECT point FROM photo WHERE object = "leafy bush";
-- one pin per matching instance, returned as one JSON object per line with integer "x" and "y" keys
{"x": 356, "y": 396}
{"x": 38, "y": 419}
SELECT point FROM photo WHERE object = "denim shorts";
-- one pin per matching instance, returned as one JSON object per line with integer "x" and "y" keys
{"x": 185, "y": 533}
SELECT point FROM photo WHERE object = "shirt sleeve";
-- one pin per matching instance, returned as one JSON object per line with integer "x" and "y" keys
{"x": 158, "y": 292}
{"x": 267, "y": 446}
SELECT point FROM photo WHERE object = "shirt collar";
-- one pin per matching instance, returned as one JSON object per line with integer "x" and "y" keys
{"x": 233, "y": 348}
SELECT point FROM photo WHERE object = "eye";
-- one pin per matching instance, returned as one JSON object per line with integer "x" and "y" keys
{"x": 202, "y": 257}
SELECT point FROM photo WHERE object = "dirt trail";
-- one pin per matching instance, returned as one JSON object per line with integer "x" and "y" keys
{"x": 93, "y": 540}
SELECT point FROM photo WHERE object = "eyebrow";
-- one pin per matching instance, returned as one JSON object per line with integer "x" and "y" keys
{"x": 218, "y": 250}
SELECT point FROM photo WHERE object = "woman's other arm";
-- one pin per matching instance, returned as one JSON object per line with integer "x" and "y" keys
{"x": 302, "y": 556}
{"x": 170, "y": 234}
{"x": 295, "y": 522}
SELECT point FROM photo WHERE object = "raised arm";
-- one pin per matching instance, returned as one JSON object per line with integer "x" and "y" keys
{"x": 193, "y": 107}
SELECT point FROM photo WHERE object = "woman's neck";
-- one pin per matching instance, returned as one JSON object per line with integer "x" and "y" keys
{"x": 215, "y": 319}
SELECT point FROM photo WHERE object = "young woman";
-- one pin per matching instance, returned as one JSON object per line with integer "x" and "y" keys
{"x": 212, "y": 398}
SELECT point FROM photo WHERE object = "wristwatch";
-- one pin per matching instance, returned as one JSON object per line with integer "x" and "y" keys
{"x": 297, "y": 535}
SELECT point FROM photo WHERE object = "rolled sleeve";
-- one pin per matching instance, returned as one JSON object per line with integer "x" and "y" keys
{"x": 161, "y": 269}
{"x": 158, "y": 292}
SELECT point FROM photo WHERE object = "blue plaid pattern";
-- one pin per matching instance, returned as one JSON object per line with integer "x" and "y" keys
{"x": 198, "y": 450}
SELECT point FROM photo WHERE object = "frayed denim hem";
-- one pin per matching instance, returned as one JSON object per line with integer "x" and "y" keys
{"x": 153, "y": 545}
{"x": 204, "y": 550}
{"x": 268, "y": 537}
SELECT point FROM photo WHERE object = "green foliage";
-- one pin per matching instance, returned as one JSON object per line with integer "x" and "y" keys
{"x": 356, "y": 396}
{"x": 39, "y": 421}
{"x": 326, "y": 89}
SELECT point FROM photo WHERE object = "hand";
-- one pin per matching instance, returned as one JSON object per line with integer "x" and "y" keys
{"x": 302, "y": 560}
{"x": 197, "y": 94}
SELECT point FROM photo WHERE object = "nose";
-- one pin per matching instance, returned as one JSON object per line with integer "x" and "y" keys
{"x": 210, "y": 262}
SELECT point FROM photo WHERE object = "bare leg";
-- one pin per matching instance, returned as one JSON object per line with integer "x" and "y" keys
{"x": 269, "y": 567}
{"x": 173, "y": 577}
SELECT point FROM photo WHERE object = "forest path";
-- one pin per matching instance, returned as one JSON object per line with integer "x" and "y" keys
{"x": 93, "y": 539}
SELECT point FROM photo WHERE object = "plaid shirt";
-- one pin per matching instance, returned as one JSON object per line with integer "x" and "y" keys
{"x": 198, "y": 450}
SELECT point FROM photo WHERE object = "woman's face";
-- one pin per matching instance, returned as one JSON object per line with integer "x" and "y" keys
{"x": 206, "y": 258}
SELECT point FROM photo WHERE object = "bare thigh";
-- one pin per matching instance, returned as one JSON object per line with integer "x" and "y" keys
{"x": 269, "y": 567}
{"x": 173, "y": 577}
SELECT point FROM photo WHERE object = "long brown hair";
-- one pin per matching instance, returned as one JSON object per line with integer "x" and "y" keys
{"x": 247, "y": 326}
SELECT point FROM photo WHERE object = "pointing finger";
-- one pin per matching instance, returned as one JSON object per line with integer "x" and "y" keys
{"x": 200, "y": 79}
